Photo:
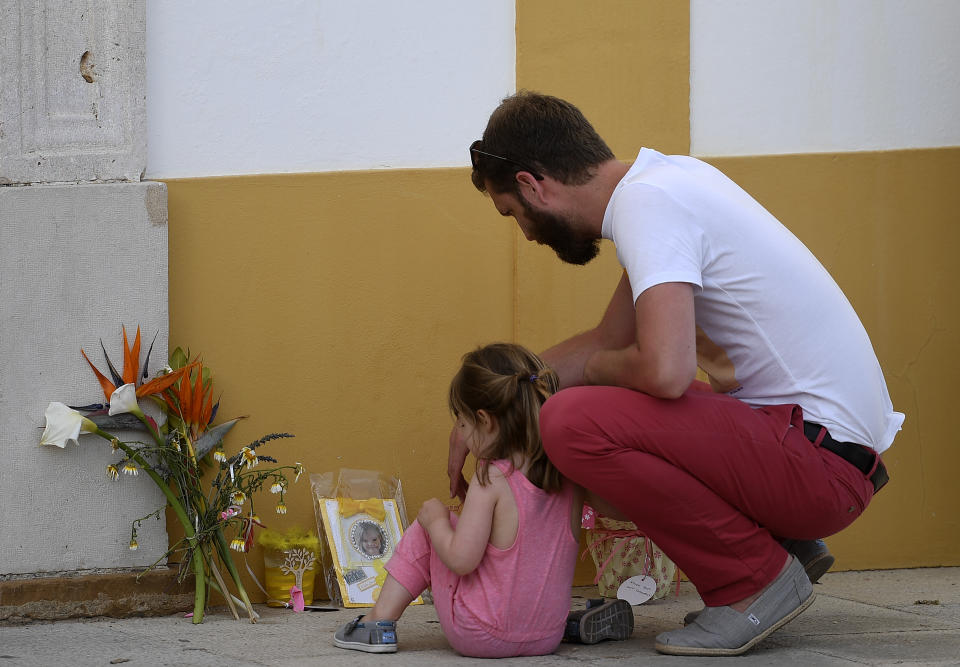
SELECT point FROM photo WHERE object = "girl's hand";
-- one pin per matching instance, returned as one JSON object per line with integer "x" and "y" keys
{"x": 433, "y": 510}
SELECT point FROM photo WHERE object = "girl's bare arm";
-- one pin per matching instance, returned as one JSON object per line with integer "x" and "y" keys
{"x": 462, "y": 549}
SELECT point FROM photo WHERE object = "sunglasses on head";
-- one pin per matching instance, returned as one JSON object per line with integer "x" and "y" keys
{"x": 474, "y": 151}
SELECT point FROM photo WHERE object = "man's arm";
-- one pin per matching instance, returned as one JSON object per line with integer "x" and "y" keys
{"x": 616, "y": 330}
{"x": 662, "y": 360}
{"x": 649, "y": 346}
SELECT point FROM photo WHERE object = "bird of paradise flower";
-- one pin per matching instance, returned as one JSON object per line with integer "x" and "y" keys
{"x": 184, "y": 392}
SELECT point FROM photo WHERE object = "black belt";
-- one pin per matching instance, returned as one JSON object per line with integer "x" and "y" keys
{"x": 859, "y": 456}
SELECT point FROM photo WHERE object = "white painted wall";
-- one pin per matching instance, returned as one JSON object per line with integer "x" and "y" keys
{"x": 78, "y": 260}
{"x": 781, "y": 76}
{"x": 246, "y": 86}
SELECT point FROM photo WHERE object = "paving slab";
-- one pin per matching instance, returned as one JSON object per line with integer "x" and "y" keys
{"x": 895, "y": 587}
{"x": 859, "y": 618}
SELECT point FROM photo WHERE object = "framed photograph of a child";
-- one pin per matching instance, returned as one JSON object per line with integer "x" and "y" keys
{"x": 362, "y": 536}
{"x": 369, "y": 539}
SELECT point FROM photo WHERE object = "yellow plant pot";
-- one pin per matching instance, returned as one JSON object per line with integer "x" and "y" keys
{"x": 284, "y": 569}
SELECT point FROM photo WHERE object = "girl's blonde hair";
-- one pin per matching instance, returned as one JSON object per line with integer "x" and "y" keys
{"x": 511, "y": 384}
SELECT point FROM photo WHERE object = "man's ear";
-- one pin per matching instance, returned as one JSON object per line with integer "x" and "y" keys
{"x": 530, "y": 188}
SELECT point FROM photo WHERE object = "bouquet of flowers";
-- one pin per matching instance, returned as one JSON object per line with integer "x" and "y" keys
{"x": 207, "y": 497}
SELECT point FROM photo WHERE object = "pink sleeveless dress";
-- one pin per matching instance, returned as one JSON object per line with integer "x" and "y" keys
{"x": 516, "y": 601}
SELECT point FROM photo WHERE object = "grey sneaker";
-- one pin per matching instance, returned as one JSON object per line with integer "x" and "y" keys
{"x": 602, "y": 619}
{"x": 812, "y": 554}
{"x": 372, "y": 637}
{"x": 722, "y": 631}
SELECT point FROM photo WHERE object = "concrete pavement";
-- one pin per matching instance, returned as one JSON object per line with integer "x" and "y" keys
{"x": 906, "y": 617}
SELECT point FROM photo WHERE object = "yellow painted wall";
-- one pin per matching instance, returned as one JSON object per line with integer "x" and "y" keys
{"x": 578, "y": 51}
{"x": 626, "y": 65}
{"x": 885, "y": 224}
{"x": 336, "y": 306}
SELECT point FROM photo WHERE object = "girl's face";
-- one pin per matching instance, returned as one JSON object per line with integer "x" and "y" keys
{"x": 370, "y": 542}
{"x": 476, "y": 436}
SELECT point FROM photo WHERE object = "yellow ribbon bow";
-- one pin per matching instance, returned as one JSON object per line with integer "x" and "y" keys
{"x": 371, "y": 506}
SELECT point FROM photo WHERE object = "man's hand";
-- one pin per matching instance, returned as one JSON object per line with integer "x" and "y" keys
{"x": 649, "y": 346}
{"x": 431, "y": 511}
{"x": 456, "y": 457}
{"x": 616, "y": 330}
{"x": 662, "y": 359}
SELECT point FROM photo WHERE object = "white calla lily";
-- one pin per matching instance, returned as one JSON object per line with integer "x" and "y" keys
{"x": 124, "y": 399}
{"x": 63, "y": 425}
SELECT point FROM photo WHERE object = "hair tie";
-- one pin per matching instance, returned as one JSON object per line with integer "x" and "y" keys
{"x": 533, "y": 378}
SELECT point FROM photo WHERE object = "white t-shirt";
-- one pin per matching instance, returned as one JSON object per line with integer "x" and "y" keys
{"x": 772, "y": 325}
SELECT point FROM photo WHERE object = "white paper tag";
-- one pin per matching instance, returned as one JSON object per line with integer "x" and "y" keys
{"x": 637, "y": 590}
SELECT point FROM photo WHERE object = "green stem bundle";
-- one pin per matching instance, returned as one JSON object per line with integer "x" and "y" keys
{"x": 198, "y": 550}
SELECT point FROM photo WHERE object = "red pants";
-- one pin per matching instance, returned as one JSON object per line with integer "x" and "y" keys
{"x": 712, "y": 481}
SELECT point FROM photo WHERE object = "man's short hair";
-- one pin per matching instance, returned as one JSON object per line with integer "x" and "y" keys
{"x": 537, "y": 133}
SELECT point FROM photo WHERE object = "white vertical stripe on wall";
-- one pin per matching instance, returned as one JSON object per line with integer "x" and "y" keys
{"x": 243, "y": 86}
{"x": 781, "y": 76}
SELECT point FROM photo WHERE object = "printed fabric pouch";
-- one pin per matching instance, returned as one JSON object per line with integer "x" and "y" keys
{"x": 620, "y": 551}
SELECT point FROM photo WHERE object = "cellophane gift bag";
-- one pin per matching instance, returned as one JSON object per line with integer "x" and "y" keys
{"x": 365, "y": 487}
{"x": 620, "y": 551}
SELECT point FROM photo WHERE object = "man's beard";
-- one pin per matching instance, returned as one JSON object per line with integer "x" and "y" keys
{"x": 558, "y": 233}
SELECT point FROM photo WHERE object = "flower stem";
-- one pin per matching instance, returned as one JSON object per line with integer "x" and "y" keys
{"x": 223, "y": 587}
{"x": 200, "y": 583}
{"x": 157, "y": 438}
{"x": 234, "y": 574}
{"x": 236, "y": 600}
{"x": 196, "y": 551}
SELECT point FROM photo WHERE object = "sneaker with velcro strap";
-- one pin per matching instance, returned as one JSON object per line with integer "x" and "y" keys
{"x": 371, "y": 637}
{"x": 602, "y": 619}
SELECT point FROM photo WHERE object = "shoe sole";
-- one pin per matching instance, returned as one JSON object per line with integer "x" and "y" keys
{"x": 818, "y": 567}
{"x": 366, "y": 648}
{"x": 714, "y": 652}
{"x": 815, "y": 569}
{"x": 611, "y": 620}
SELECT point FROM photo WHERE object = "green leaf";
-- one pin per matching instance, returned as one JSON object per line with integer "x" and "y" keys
{"x": 208, "y": 440}
{"x": 124, "y": 421}
{"x": 178, "y": 359}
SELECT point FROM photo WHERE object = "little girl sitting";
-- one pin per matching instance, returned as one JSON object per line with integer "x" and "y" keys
{"x": 502, "y": 571}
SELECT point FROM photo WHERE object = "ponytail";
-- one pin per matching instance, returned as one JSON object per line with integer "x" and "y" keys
{"x": 512, "y": 384}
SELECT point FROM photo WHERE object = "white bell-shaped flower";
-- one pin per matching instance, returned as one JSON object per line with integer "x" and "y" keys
{"x": 63, "y": 425}
{"x": 124, "y": 399}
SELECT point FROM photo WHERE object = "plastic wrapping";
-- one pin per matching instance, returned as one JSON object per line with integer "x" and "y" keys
{"x": 361, "y": 516}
